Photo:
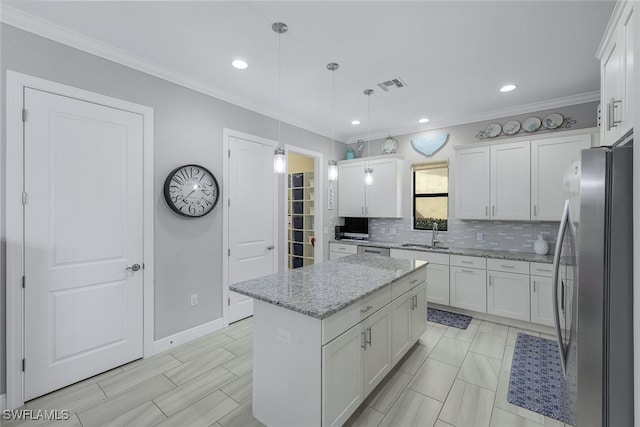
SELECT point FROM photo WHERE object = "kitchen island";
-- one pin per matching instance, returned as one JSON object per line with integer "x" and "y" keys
{"x": 325, "y": 335}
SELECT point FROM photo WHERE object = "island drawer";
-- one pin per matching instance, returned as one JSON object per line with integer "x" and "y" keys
{"x": 520, "y": 267}
{"x": 468, "y": 261}
{"x": 339, "y": 322}
{"x": 541, "y": 269}
{"x": 407, "y": 283}
{"x": 346, "y": 249}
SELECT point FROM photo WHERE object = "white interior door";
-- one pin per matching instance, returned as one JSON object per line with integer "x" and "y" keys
{"x": 83, "y": 227}
{"x": 252, "y": 221}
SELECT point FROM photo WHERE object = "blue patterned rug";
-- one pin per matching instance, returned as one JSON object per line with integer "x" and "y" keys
{"x": 456, "y": 320}
{"x": 537, "y": 380}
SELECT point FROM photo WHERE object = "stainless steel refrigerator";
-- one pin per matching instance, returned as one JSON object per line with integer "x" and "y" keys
{"x": 593, "y": 288}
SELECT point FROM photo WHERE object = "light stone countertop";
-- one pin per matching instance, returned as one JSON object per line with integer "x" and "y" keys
{"x": 487, "y": 253}
{"x": 323, "y": 289}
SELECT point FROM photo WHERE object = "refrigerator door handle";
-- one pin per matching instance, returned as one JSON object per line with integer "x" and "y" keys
{"x": 555, "y": 277}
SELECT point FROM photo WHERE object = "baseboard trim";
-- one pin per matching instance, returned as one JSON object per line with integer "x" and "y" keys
{"x": 3, "y": 402}
{"x": 183, "y": 337}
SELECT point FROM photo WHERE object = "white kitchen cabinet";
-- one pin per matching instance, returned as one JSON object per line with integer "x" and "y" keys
{"x": 419, "y": 312}
{"x": 616, "y": 74}
{"x": 381, "y": 199}
{"x": 508, "y": 295}
{"x": 468, "y": 288}
{"x": 541, "y": 300}
{"x": 342, "y": 376}
{"x": 437, "y": 272}
{"x": 337, "y": 250}
{"x": 377, "y": 351}
{"x": 550, "y": 158}
{"x": 409, "y": 320}
{"x": 472, "y": 183}
{"x": 510, "y": 181}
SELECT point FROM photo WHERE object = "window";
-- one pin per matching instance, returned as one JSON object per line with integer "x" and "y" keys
{"x": 431, "y": 196}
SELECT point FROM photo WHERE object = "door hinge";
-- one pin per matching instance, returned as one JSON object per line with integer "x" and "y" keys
{"x": 24, "y": 114}
{"x": 24, "y": 198}
{"x": 24, "y": 281}
{"x": 229, "y": 301}
{"x": 24, "y": 364}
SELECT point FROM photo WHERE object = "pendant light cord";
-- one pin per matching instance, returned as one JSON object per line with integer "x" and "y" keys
{"x": 333, "y": 141}
{"x": 279, "y": 85}
{"x": 369, "y": 124}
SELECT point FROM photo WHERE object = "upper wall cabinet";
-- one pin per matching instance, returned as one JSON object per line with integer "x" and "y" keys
{"x": 616, "y": 74}
{"x": 550, "y": 158}
{"x": 522, "y": 180}
{"x": 381, "y": 199}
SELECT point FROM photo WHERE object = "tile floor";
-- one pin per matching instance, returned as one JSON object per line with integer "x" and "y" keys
{"x": 452, "y": 377}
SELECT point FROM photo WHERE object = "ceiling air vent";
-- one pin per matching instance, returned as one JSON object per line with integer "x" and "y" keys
{"x": 390, "y": 84}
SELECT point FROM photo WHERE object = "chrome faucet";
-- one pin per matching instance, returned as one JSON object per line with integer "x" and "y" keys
{"x": 435, "y": 232}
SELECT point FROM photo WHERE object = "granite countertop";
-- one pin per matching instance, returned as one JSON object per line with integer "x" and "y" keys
{"x": 488, "y": 253}
{"x": 323, "y": 289}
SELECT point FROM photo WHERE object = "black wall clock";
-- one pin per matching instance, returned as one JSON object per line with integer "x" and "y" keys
{"x": 191, "y": 191}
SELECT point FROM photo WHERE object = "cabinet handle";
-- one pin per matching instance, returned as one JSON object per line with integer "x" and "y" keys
{"x": 490, "y": 280}
{"x": 544, "y": 270}
{"x": 535, "y": 210}
{"x": 369, "y": 341}
{"x": 372, "y": 251}
{"x": 362, "y": 210}
{"x": 413, "y": 281}
{"x": 364, "y": 310}
{"x": 466, "y": 262}
{"x": 486, "y": 211}
{"x": 366, "y": 210}
{"x": 507, "y": 266}
{"x": 364, "y": 341}
{"x": 412, "y": 302}
{"x": 416, "y": 301}
{"x": 466, "y": 271}
{"x": 611, "y": 120}
{"x": 534, "y": 286}
{"x": 493, "y": 210}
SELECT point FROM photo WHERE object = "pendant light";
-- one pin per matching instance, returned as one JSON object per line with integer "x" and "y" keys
{"x": 333, "y": 165}
{"x": 279, "y": 159}
{"x": 368, "y": 172}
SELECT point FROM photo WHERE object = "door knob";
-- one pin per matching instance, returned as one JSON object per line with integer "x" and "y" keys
{"x": 134, "y": 267}
{"x": 270, "y": 247}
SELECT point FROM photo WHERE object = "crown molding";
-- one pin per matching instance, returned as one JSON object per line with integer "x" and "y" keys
{"x": 49, "y": 30}
{"x": 484, "y": 116}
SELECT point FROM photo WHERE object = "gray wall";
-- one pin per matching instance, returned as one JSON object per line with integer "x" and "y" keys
{"x": 188, "y": 128}
{"x": 498, "y": 235}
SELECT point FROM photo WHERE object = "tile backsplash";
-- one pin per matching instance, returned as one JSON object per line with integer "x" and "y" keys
{"x": 512, "y": 236}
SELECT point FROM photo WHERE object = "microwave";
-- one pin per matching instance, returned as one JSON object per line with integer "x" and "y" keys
{"x": 353, "y": 228}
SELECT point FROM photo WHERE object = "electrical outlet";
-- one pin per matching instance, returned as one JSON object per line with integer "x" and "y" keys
{"x": 479, "y": 236}
{"x": 283, "y": 335}
{"x": 194, "y": 299}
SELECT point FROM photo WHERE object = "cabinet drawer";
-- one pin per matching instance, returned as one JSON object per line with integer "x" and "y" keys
{"x": 347, "y": 249}
{"x": 468, "y": 261}
{"x": 432, "y": 258}
{"x": 339, "y": 322}
{"x": 411, "y": 281}
{"x": 521, "y": 267}
{"x": 541, "y": 269}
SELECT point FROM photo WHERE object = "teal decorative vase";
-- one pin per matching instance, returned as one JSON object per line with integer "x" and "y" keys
{"x": 350, "y": 154}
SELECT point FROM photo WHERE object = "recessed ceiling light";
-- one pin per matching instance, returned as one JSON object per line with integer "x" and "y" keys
{"x": 507, "y": 88}
{"x": 355, "y": 122}
{"x": 239, "y": 64}
{"x": 423, "y": 120}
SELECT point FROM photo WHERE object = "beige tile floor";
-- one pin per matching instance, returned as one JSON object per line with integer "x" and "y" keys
{"x": 452, "y": 377}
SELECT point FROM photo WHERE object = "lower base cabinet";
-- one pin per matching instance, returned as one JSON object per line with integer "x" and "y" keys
{"x": 541, "y": 300}
{"x": 508, "y": 295}
{"x": 377, "y": 348}
{"x": 468, "y": 288}
{"x": 438, "y": 280}
{"x": 409, "y": 321}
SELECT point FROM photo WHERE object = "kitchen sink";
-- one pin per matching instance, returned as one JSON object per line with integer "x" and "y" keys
{"x": 419, "y": 246}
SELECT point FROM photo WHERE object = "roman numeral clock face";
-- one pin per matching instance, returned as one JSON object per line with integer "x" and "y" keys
{"x": 191, "y": 191}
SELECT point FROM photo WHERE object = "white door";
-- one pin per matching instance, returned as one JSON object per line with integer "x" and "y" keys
{"x": 472, "y": 183}
{"x": 511, "y": 181}
{"x": 351, "y": 189}
{"x": 382, "y": 195}
{"x": 508, "y": 295}
{"x": 83, "y": 227}
{"x": 252, "y": 227}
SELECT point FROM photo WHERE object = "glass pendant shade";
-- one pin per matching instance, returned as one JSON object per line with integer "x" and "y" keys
{"x": 279, "y": 161}
{"x": 333, "y": 170}
{"x": 368, "y": 176}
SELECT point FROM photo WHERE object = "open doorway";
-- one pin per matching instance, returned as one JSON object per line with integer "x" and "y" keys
{"x": 303, "y": 240}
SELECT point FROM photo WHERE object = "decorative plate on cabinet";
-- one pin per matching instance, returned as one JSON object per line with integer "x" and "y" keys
{"x": 531, "y": 124}
{"x": 389, "y": 146}
{"x": 493, "y": 130}
{"x": 553, "y": 121}
{"x": 511, "y": 127}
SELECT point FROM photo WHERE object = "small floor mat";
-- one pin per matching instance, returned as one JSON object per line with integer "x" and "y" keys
{"x": 537, "y": 381}
{"x": 456, "y": 320}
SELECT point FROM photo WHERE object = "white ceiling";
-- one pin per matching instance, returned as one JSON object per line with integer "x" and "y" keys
{"x": 453, "y": 55}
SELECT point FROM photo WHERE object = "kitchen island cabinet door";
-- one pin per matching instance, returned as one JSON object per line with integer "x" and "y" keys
{"x": 351, "y": 191}
{"x": 377, "y": 355}
{"x": 342, "y": 376}
{"x": 419, "y": 312}
{"x": 469, "y": 289}
{"x": 508, "y": 295}
{"x": 401, "y": 339}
